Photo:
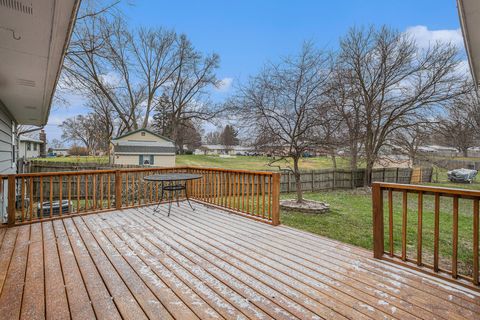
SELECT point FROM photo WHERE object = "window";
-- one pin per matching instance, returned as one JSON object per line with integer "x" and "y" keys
{"x": 34, "y": 147}
{"x": 146, "y": 160}
{"x": 142, "y": 134}
{"x": 29, "y": 146}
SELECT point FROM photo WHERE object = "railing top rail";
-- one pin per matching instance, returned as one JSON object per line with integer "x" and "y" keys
{"x": 428, "y": 189}
{"x": 123, "y": 170}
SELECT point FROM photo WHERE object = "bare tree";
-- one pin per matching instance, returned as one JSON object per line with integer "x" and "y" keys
{"x": 409, "y": 138}
{"x": 459, "y": 126}
{"x": 393, "y": 82}
{"x": 127, "y": 68}
{"x": 213, "y": 137}
{"x": 87, "y": 130}
{"x": 188, "y": 87}
{"x": 284, "y": 103}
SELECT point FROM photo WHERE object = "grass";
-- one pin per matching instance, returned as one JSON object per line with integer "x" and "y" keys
{"x": 350, "y": 221}
{"x": 213, "y": 161}
{"x": 254, "y": 163}
{"x": 76, "y": 159}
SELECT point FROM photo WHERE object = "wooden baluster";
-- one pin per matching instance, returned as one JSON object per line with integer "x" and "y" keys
{"x": 243, "y": 191}
{"x": 101, "y": 191}
{"x": 94, "y": 191}
{"x": 455, "y": 237}
{"x": 151, "y": 191}
{"x": 263, "y": 197}
{"x": 156, "y": 191}
{"x": 257, "y": 181}
{"x": 215, "y": 191}
{"x": 127, "y": 191}
{"x": 228, "y": 200}
{"x": 269, "y": 197}
{"x": 145, "y": 189}
{"x": 419, "y": 228}
{"x": 377, "y": 201}
{"x": 86, "y": 192}
{"x": 60, "y": 187}
{"x": 247, "y": 182}
{"x": 108, "y": 190}
{"x": 133, "y": 188}
{"x": 231, "y": 191}
{"x": 22, "y": 198}
{"x": 41, "y": 197}
{"x": 204, "y": 191}
{"x": 79, "y": 179}
{"x": 476, "y": 219}
{"x": 390, "y": 221}
{"x": 51, "y": 196}
{"x": 12, "y": 198}
{"x": 32, "y": 198}
{"x": 69, "y": 191}
{"x": 436, "y": 232}
{"x": 252, "y": 211}
{"x": 118, "y": 189}
{"x": 404, "y": 225}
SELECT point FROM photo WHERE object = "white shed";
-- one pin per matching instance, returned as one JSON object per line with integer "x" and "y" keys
{"x": 143, "y": 147}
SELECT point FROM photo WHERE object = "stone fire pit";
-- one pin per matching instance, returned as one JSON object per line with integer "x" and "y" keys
{"x": 307, "y": 206}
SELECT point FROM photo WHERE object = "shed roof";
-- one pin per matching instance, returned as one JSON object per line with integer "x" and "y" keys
{"x": 144, "y": 130}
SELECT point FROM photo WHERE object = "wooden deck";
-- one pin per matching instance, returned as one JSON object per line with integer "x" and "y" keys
{"x": 207, "y": 264}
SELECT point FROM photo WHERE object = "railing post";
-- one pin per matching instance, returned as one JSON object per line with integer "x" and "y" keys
{"x": 118, "y": 189}
{"x": 377, "y": 206}
{"x": 11, "y": 189}
{"x": 276, "y": 198}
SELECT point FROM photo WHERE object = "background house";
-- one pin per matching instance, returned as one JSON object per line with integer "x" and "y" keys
{"x": 143, "y": 147}
{"x": 34, "y": 38}
{"x": 55, "y": 152}
{"x": 213, "y": 149}
{"x": 29, "y": 148}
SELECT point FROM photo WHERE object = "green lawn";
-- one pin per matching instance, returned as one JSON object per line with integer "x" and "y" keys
{"x": 76, "y": 159}
{"x": 254, "y": 163}
{"x": 350, "y": 221}
{"x": 237, "y": 162}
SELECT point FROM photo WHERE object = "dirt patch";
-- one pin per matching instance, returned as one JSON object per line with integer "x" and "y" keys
{"x": 307, "y": 206}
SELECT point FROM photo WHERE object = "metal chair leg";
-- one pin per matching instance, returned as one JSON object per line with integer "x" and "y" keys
{"x": 170, "y": 204}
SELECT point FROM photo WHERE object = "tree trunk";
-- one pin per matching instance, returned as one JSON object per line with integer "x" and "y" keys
{"x": 334, "y": 160}
{"x": 465, "y": 152}
{"x": 367, "y": 181}
{"x": 353, "y": 156}
{"x": 298, "y": 182}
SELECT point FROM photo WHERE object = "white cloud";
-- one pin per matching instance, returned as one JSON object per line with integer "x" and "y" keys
{"x": 225, "y": 84}
{"x": 425, "y": 37}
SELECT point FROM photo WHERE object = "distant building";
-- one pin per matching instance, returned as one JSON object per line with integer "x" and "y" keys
{"x": 56, "y": 152}
{"x": 217, "y": 149}
{"x": 439, "y": 150}
{"x": 143, "y": 147}
{"x": 29, "y": 148}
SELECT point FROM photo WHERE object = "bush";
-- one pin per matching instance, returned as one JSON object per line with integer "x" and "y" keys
{"x": 78, "y": 151}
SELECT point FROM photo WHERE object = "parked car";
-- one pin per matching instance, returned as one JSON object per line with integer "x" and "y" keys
{"x": 462, "y": 175}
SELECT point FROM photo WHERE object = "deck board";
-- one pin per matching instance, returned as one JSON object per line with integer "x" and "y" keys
{"x": 279, "y": 251}
{"x": 207, "y": 264}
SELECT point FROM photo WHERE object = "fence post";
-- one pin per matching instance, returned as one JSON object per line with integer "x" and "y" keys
{"x": 118, "y": 189}
{"x": 377, "y": 206}
{"x": 11, "y": 189}
{"x": 276, "y": 198}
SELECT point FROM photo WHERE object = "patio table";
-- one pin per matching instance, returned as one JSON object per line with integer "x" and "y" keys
{"x": 176, "y": 182}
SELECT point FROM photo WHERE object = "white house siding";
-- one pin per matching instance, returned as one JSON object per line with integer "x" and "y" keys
{"x": 133, "y": 159}
{"x": 34, "y": 151}
{"x": 7, "y": 141}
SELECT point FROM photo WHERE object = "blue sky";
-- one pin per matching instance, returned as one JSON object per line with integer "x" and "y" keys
{"x": 248, "y": 33}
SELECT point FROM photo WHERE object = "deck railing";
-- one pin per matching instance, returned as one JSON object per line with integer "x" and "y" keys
{"x": 52, "y": 195}
{"x": 421, "y": 225}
